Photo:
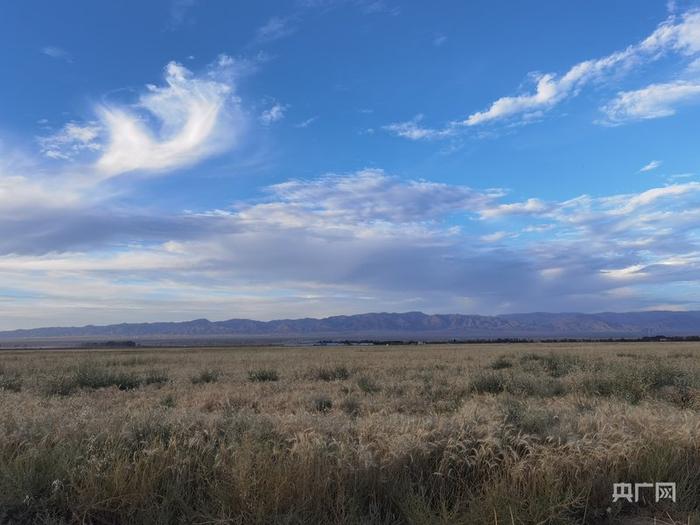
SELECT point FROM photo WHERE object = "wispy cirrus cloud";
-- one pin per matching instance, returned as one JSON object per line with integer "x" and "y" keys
{"x": 72, "y": 139}
{"x": 57, "y": 53}
{"x": 651, "y": 102}
{"x": 368, "y": 7}
{"x": 306, "y": 123}
{"x": 171, "y": 126}
{"x": 274, "y": 113}
{"x": 196, "y": 116}
{"x": 439, "y": 40}
{"x": 679, "y": 35}
{"x": 650, "y": 166}
{"x": 275, "y": 28}
{"x": 67, "y": 203}
{"x": 179, "y": 10}
{"x": 412, "y": 130}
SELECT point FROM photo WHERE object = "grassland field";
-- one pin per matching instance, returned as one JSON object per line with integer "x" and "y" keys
{"x": 428, "y": 434}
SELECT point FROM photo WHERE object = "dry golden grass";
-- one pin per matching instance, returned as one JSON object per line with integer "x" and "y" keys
{"x": 469, "y": 434}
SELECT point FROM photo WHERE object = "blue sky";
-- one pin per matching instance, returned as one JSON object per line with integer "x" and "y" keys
{"x": 181, "y": 159}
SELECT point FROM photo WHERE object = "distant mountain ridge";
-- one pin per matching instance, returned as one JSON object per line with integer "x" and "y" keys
{"x": 409, "y": 325}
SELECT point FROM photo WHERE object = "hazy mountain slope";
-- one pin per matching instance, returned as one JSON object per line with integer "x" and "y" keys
{"x": 408, "y": 325}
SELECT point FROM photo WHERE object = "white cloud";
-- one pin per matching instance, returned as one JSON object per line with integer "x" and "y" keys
{"x": 274, "y": 29}
{"x": 195, "y": 117}
{"x": 275, "y": 113}
{"x": 632, "y": 202}
{"x": 495, "y": 236}
{"x": 439, "y": 40}
{"x": 306, "y": 123}
{"x": 371, "y": 195}
{"x": 650, "y": 166}
{"x": 529, "y": 207}
{"x": 678, "y": 34}
{"x": 57, "y": 52}
{"x": 653, "y": 101}
{"x": 412, "y": 130}
{"x": 59, "y": 207}
{"x": 23, "y": 194}
{"x": 585, "y": 208}
{"x": 178, "y": 12}
{"x": 71, "y": 140}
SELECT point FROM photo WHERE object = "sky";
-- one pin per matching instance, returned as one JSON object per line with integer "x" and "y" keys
{"x": 179, "y": 159}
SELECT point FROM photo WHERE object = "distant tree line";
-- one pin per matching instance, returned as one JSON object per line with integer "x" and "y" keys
{"x": 110, "y": 344}
{"x": 513, "y": 340}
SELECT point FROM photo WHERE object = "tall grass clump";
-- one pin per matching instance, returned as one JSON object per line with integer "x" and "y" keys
{"x": 262, "y": 375}
{"x": 500, "y": 363}
{"x": 206, "y": 376}
{"x": 335, "y": 373}
{"x": 368, "y": 385}
{"x": 155, "y": 377}
{"x": 10, "y": 381}
{"x": 92, "y": 377}
{"x": 526, "y": 418}
{"x": 487, "y": 383}
{"x": 322, "y": 404}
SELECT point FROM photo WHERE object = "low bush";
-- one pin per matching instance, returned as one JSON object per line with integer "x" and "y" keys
{"x": 206, "y": 376}
{"x": 367, "y": 385}
{"x": 536, "y": 421}
{"x": 351, "y": 406}
{"x": 92, "y": 377}
{"x": 500, "y": 363}
{"x": 530, "y": 385}
{"x": 168, "y": 401}
{"x": 322, "y": 404}
{"x": 155, "y": 377}
{"x": 487, "y": 383}
{"x": 10, "y": 381}
{"x": 336, "y": 373}
{"x": 263, "y": 375}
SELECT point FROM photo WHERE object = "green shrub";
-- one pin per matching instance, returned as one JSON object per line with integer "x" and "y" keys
{"x": 530, "y": 385}
{"x": 659, "y": 374}
{"x": 206, "y": 376}
{"x": 487, "y": 383}
{"x": 531, "y": 356}
{"x": 336, "y": 373}
{"x": 10, "y": 382}
{"x": 262, "y": 375}
{"x": 155, "y": 377}
{"x": 350, "y": 406}
{"x": 500, "y": 363}
{"x": 627, "y": 384}
{"x": 559, "y": 365}
{"x": 367, "y": 385}
{"x": 598, "y": 385}
{"x": 168, "y": 401}
{"x": 60, "y": 386}
{"x": 536, "y": 421}
{"x": 322, "y": 404}
{"x": 91, "y": 377}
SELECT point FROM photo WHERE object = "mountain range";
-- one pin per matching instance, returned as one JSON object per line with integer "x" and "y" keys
{"x": 409, "y": 325}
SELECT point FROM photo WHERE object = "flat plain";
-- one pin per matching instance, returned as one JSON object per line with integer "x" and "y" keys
{"x": 463, "y": 434}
